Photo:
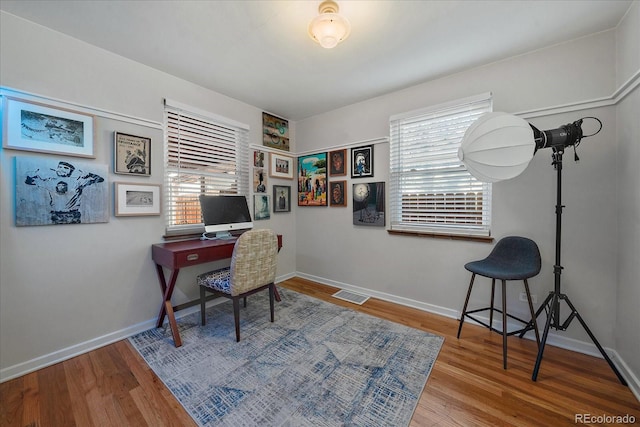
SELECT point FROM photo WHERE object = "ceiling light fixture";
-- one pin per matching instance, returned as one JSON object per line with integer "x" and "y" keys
{"x": 329, "y": 28}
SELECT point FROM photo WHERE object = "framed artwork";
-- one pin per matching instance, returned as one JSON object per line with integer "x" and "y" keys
{"x": 132, "y": 154}
{"x": 362, "y": 162}
{"x": 338, "y": 193}
{"x": 312, "y": 180}
{"x": 282, "y": 198}
{"x": 258, "y": 158}
{"x": 338, "y": 162}
{"x": 259, "y": 180}
{"x": 137, "y": 199}
{"x": 51, "y": 191}
{"x": 32, "y": 126}
{"x": 275, "y": 132}
{"x": 368, "y": 204}
{"x": 280, "y": 166}
{"x": 261, "y": 208}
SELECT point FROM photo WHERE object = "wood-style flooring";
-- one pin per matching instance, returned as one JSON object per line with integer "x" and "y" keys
{"x": 113, "y": 386}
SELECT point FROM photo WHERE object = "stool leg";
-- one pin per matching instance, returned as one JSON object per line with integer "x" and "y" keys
{"x": 504, "y": 324}
{"x": 466, "y": 302}
{"x": 493, "y": 292}
{"x": 533, "y": 314}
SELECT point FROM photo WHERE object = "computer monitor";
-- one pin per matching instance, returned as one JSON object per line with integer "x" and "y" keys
{"x": 223, "y": 214}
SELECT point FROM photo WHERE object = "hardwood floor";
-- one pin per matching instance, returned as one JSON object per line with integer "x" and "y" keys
{"x": 113, "y": 386}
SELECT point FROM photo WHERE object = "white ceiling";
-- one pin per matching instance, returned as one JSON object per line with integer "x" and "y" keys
{"x": 259, "y": 51}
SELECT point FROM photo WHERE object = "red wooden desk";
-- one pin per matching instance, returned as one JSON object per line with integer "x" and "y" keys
{"x": 176, "y": 255}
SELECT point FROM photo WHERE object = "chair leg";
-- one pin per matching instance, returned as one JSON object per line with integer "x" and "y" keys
{"x": 504, "y": 324}
{"x": 236, "y": 316}
{"x": 466, "y": 302}
{"x": 271, "y": 299}
{"x": 203, "y": 300}
{"x": 533, "y": 314}
{"x": 493, "y": 293}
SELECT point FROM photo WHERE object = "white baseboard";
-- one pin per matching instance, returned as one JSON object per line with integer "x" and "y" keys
{"x": 553, "y": 339}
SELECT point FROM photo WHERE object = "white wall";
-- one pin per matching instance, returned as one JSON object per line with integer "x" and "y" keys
{"x": 429, "y": 272}
{"x": 628, "y": 125}
{"x": 83, "y": 285}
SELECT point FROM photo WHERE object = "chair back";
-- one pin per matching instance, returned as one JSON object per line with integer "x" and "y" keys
{"x": 519, "y": 253}
{"x": 254, "y": 261}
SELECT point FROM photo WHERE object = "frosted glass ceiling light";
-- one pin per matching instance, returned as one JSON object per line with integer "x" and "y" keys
{"x": 329, "y": 28}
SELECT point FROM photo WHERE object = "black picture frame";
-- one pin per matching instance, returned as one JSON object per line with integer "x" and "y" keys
{"x": 281, "y": 198}
{"x": 362, "y": 162}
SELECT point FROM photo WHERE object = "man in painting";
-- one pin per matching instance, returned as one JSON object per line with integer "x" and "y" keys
{"x": 65, "y": 186}
{"x": 337, "y": 163}
{"x": 337, "y": 194}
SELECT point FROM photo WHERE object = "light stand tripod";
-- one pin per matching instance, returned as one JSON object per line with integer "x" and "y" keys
{"x": 552, "y": 303}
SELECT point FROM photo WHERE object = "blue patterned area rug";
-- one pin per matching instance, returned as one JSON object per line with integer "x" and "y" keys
{"x": 319, "y": 364}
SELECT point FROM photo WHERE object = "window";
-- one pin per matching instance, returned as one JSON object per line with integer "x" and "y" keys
{"x": 430, "y": 189}
{"x": 204, "y": 154}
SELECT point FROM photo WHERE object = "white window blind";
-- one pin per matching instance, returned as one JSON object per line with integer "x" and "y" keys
{"x": 430, "y": 189}
{"x": 204, "y": 154}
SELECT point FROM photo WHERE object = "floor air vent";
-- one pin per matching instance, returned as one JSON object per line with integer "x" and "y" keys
{"x": 351, "y": 297}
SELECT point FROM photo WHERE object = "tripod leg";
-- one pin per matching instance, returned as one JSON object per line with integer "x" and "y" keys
{"x": 545, "y": 303}
{"x": 595, "y": 341}
{"x": 554, "y": 303}
{"x": 533, "y": 322}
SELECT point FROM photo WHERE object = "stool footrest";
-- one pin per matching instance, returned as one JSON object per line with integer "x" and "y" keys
{"x": 528, "y": 324}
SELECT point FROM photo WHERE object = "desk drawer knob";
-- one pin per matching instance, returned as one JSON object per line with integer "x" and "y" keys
{"x": 192, "y": 257}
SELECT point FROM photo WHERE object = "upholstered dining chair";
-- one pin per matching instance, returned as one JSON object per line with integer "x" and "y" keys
{"x": 512, "y": 258}
{"x": 253, "y": 269}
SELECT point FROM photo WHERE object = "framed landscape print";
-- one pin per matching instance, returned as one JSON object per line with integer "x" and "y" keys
{"x": 312, "y": 180}
{"x": 32, "y": 126}
{"x": 280, "y": 166}
{"x": 275, "y": 132}
{"x": 53, "y": 191}
{"x": 338, "y": 162}
{"x": 281, "y": 198}
{"x": 368, "y": 204}
{"x": 137, "y": 199}
{"x": 132, "y": 154}
{"x": 338, "y": 193}
{"x": 362, "y": 162}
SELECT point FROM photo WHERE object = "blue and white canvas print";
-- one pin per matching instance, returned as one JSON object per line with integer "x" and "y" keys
{"x": 51, "y": 191}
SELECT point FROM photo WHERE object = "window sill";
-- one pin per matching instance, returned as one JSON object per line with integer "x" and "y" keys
{"x": 483, "y": 239}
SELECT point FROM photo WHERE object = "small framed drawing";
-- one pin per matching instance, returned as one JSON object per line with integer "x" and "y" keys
{"x": 258, "y": 159}
{"x": 282, "y": 198}
{"x": 337, "y": 162}
{"x": 137, "y": 199}
{"x": 261, "y": 208}
{"x": 132, "y": 154}
{"x": 362, "y": 162}
{"x": 33, "y": 126}
{"x": 280, "y": 166}
{"x": 338, "y": 193}
{"x": 259, "y": 180}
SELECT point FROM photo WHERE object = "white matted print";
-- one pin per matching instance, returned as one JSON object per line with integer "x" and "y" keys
{"x": 137, "y": 199}
{"x": 50, "y": 191}
{"x": 37, "y": 127}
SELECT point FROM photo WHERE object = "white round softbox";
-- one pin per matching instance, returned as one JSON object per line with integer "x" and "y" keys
{"x": 497, "y": 146}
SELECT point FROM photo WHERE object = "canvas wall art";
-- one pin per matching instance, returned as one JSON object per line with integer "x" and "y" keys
{"x": 369, "y": 204}
{"x": 338, "y": 162}
{"x": 51, "y": 191}
{"x": 362, "y": 162}
{"x": 312, "y": 180}
{"x": 281, "y": 198}
{"x": 275, "y": 132}
{"x": 338, "y": 193}
{"x": 261, "y": 208}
